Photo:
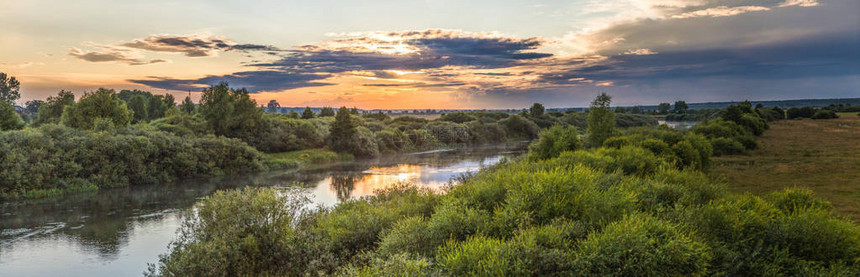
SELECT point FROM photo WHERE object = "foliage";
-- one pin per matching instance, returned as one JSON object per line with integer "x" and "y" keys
{"x": 307, "y": 113}
{"x": 518, "y": 127}
{"x": 137, "y": 104}
{"x": 553, "y": 141}
{"x": 273, "y": 106}
{"x": 102, "y": 104}
{"x": 9, "y": 119}
{"x": 536, "y": 110}
{"x": 457, "y": 117}
{"x": 9, "y": 87}
{"x": 326, "y": 111}
{"x": 52, "y": 110}
{"x": 232, "y": 113}
{"x": 187, "y": 105}
{"x": 601, "y": 120}
{"x": 825, "y": 114}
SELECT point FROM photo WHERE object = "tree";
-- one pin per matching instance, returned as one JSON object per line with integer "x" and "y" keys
{"x": 32, "y": 106}
{"x": 9, "y": 87}
{"x": 354, "y": 111}
{"x": 102, "y": 104}
{"x": 620, "y": 110}
{"x": 231, "y": 112}
{"x": 273, "y": 106}
{"x": 187, "y": 105}
{"x": 308, "y": 113}
{"x": 601, "y": 120}
{"x": 293, "y": 114}
{"x": 137, "y": 104}
{"x": 155, "y": 107}
{"x": 663, "y": 108}
{"x": 169, "y": 101}
{"x": 52, "y": 110}
{"x": 327, "y": 111}
{"x": 636, "y": 110}
{"x": 9, "y": 119}
{"x": 536, "y": 110}
{"x": 342, "y": 130}
{"x": 681, "y": 107}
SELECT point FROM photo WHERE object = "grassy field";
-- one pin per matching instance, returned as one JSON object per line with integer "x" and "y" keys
{"x": 308, "y": 157}
{"x": 822, "y": 155}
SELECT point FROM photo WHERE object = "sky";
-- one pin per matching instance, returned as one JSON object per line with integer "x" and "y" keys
{"x": 379, "y": 54}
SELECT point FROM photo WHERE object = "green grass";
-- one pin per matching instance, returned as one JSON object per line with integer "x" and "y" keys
{"x": 821, "y": 155}
{"x": 305, "y": 158}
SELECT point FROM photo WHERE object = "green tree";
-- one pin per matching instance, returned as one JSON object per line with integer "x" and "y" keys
{"x": 680, "y": 107}
{"x": 231, "y": 112}
{"x": 169, "y": 101}
{"x": 664, "y": 108}
{"x": 354, "y": 111}
{"x": 155, "y": 107}
{"x": 273, "y": 106}
{"x": 32, "y": 106}
{"x": 52, "y": 110}
{"x": 636, "y": 110}
{"x": 342, "y": 131}
{"x": 308, "y": 113}
{"x": 536, "y": 110}
{"x": 100, "y": 105}
{"x": 9, "y": 87}
{"x": 137, "y": 104}
{"x": 620, "y": 110}
{"x": 601, "y": 120}
{"x": 187, "y": 105}
{"x": 9, "y": 119}
{"x": 326, "y": 111}
{"x": 293, "y": 114}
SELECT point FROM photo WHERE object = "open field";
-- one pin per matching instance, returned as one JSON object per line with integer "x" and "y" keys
{"x": 822, "y": 155}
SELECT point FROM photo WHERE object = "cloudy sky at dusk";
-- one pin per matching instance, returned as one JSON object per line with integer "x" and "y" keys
{"x": 440, "y": 53}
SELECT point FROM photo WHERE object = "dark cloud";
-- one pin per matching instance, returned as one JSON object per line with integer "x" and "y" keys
{"x": 254, "y": 81}
{"x": 418, "y": 85}
{"x": 816, "y": 56}
{"x": 110, "y": 55}
{"x": 194, "y": 45}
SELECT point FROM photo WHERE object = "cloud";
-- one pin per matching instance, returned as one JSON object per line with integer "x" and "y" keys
{"x": 193, "y": 45}
{"x": 721, "y": 11}
{"x": 108, "y": 54}
{"x": 255, "y": 81}
{"x": 377, "y": 54}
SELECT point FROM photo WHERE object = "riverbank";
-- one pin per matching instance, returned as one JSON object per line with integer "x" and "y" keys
{"x": 821, "y": 155}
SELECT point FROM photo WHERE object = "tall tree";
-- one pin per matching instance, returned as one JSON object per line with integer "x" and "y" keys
{"x": 664, "y": 108}
{"x": 52, "y": 110}
{"x": 273, "y": 106}
{"x": 231, "y": 112}
{"x": 137, "y": 104}
{"x": 187, "y": 105}
{"x": 681, "y": 107}
{"x": 9, "y": 87}
{"x": 169, "y": 101}
{"x": 308, "y": 113}
{"x": 601, "y": 120}
{"x": 155, "y": 107}
{"x": 9, "y": 119}
{"x": 326, "y": 111}
{"x": 342, "y": 131}
{"x": 101, "y": 104}
{"x": 536, "y": 110}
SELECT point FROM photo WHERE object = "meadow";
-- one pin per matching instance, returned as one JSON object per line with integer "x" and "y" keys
{"x": 821, "y": 155}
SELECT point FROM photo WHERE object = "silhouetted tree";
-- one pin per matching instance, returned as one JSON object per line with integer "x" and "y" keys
{"x": 32, "y": 106}
{"x": 9, "y": 87}
{"x": 273, "y": 106}
{"x": 664, "y": 108}
{"x": 326, "y": 111}
{"x": 294, "y": 114}
{"x": 308, "y": 113}
{"x": 187, "y": 105}
{"x": 342, "y": 131}
{"x": 680, "y": 107}
{"x": 155, "y": 107}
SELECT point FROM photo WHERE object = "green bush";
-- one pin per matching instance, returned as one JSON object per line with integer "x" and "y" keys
{"x": 641, "y": 245}
{"x": 553, "y": 141}
{"x": 100, "y": 104}
{"x": 9, "y": 119}
{"x": 518, "y": 127}
{"x": 825, "y": 114}
{"x": 449, "y": 132}
{"x": 727, "y": 146}
{"x": 457, "y": 117}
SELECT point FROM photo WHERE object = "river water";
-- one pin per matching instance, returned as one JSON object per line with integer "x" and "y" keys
{"x": 116, "y": 232}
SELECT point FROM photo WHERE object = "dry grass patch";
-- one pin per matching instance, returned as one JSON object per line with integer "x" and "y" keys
{"x": 822, "y": 155}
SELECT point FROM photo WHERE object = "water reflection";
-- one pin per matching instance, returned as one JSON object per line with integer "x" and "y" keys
{"x": 116, "y": 232}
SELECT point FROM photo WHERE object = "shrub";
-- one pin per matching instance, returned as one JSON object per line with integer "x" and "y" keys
{"x": 448, "y": 132}
{"x": 482, "y": 133}
{"x": 641, "y": 245}
{"x": 9, "y": 119}
{"x": 477, "y": 256}
{"x": 457, "y": 117}
{"x": 553, "y": 141}
{"x": 100, "y": 104}
{"x": 727, "y": 146}
{"x": 824, "y": 114}
{"x": 237, "y": 233}
{"x": 802, "y": 112}
{"x": 616, "y": 142}
{"x": 519, "y": 127}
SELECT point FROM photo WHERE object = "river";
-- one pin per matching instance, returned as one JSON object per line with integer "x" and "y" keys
{"x": 116, "y": 232}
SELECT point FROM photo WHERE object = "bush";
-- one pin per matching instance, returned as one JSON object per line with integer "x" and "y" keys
{"x": 100, "y": 104}
{"x": 457, "y": 117}
{"x": 237, "y": 233}
{"x": 519, "y": 127}
{"x": 641, "y": 245}
{"x": 9, "y": 119}
{"x": 825, "y": 114}
{"x": 449, "y": 132}
{"x": 553, "y": 141}
{"x": 727, "y": 146}
{"x": 802, "y": 112}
